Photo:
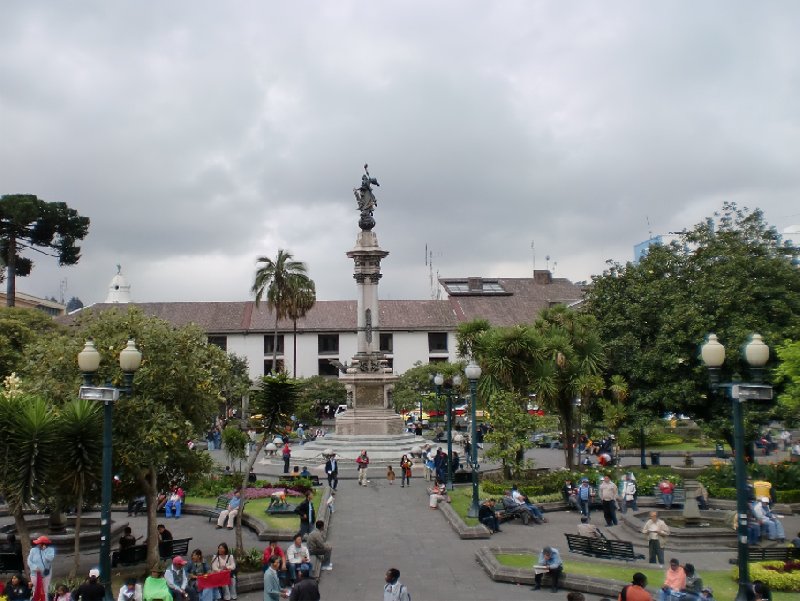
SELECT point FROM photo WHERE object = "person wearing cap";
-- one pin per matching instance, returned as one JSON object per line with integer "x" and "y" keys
{"x": 332, "y": 471}
{"x": 549, "y": 563}
{"x": 91, "y": 589}
{"x": 306, "y": 588}
{"x": 768, "y": 520}
{"x": 40, "y": 566}
{"x": 674, "y": 580}
{"x": 130, "y": 591}
{"x": 177, "y": 579}
{"x": 635, "y": 591}
{"x": 584, "y": 495}
{"x": 363, "y": 463}
{"x": 657, "y": 531}
{"x": 155, "y": 585}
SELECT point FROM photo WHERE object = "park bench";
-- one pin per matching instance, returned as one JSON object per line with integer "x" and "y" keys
{"x": 222, "y": 505}
{"x": 462, "y": 477}
{"x": 11, "y": 562}
{"x": 512, "y": 511}
{"x": 774, "y": 553}
{"x": 289, "y": 480}
{"x": 167, "y": 549}
{"x": 602, "y": 547}
{"x": 678, "y": 496}
{"x": 130, "y": 556}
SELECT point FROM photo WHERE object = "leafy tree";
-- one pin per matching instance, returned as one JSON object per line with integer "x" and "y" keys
{"x": 234, "y": 441}
{"x": 176, "y": 394}
{"x": 275, "y": 400}
{"x": 788, "y": 374}
{"x": 510, "y": 436}
{"x": 730, "y": 274}
{"x": 417, "y": 384}
{"x": 18, "y": 329}
{"x": 302, "y": 296}
{"x": 316, "y": 392}
{"x": 74, "y": 304}
{"x": 29, "y": 222}
{"x": 277, "y": 279}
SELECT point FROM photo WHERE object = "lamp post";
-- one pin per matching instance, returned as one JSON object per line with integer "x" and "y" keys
{"x": 642, "y": 460}
{"x": 448, "y": 392}
{"x": 130, "y": 359}
{"x": 473, "y": 373}
{"x": 756, "y": 354}
{"x": 577, "y": 402}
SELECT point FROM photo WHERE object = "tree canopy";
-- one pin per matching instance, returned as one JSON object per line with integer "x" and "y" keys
{"x": 26, "y": 221}
{"x": 18, "y": 329}
{"x": 731, "y": 275}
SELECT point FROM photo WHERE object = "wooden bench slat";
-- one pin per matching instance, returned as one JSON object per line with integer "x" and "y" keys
{"x": 601, "y": 547}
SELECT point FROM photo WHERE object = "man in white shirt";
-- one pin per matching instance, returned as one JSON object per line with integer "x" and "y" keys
{"x": 296, "y": 555}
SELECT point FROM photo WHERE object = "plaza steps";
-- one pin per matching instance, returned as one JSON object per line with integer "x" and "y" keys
{"x": 382, "y": 449}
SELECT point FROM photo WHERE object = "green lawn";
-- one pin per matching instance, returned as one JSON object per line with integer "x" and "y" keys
{"x": 722, "y": 583}
{"x": 461, "y": 501}
{"x": 257, "y": 508}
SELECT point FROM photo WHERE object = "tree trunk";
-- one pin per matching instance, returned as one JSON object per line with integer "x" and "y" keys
{"x": 149, "y": 482}
{"x": 569, "y": 439}
{"x": 23, "y": 534}
{"x": 294, "y": 351}
{"x": 251, "y": 461}
{"x": 11, "y": 275}
{"x": 76, "y": 560}
{"x": 275, "y": 343}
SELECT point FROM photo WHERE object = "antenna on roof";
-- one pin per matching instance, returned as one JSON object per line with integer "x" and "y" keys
{"x": 426, "y": 254}
{"x": 533, "y": 252}
{"x": 649, "y": 228}
{"x": 555, "y": 264}
{"x": 547, "y": 262}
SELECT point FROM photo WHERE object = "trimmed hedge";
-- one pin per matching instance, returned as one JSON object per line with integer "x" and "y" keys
{"x": 776, "y": 578}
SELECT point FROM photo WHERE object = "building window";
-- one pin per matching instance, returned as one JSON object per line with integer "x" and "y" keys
{"x": 437, "y": 359}
{"x": 220, "y": 341}
{"x": 326, "y": 369}
{"x": 269, "y": 341}
{"x": 437, "y": 342}
{"x": 268, "y": 366}
{"x": 328, "y": 344}
{"x": 387, "y": 343}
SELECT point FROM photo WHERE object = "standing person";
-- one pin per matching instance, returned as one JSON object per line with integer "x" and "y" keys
{"x": 272, "y": 584}
{"x": 363, "y": 464}
{"x": 394, "y": 590}
{"x": 306, "y": 512}
{"x": 570, "y": 494}
{"x": 40, "y": 566}
{"x": 635, "y": 591}
{"x": 786, "y": 437}
{"x": 585, "y": 495}
{"x": 549, "y": 563}
{"x": 389, "y": 475}
{"x": 306, "y": 588}
{"x": 332, "y": 470}
{"x": 318, "y": 547}
{"x": 177, "y": 580}
{"x": 702, "y": 496}
{"x": 405, "y": 471}
{"x": 196, "y": 569}
{"x": 91, "y": 590}
{"x": 231, "y": 511}
{"x": 628, "y": 495}
{"x": 657, "y": 531}
{"x": 429, "y": 467}
{"x": 674, "y": 580}
{"x": 667, "y": 489}
{"x": 608, "y": 496}
{"x": 286, "y": 451}
{"x": 130, "y": 591}
{"x": 223, "y": 560}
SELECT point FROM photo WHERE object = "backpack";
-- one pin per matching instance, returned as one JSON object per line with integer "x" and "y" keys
{"x": 398, "y": 594}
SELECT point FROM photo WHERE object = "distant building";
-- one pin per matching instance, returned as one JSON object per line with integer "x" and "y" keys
{"x": 640, "y": 250}
{"x": 28, "y": 301}
{"x": 411, "y": 331}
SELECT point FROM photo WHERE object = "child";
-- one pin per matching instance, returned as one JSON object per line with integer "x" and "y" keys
{"x": 62, "y": 594}
{"x": 390, "y": 474}
{"x": 331, "y": 502}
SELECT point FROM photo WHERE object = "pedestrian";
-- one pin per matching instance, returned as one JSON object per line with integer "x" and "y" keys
{"x": 608, "y": 497}
{"x": 40, "y": 566}
{"x": 287, "y": 456}
{"x": 318, "y": 546}
{"x": 585, "y": 495}
{"x": 91, "y": 590}
{"x": 363, "y": 464}
{"x": 628, "y": 494}
{"x": 332, "y": 471}
{"x": 635, "y": 591}
{"x": 306, "y": 588}
{"x": 405, "y": 471}
{"x": 272, "y": 584}
{"x": 331, "y": 502}
{"x": 549, "y": 563}
{"x": 429, "y": 466}
{"x": 394, "y": 590}
{"x": 306, "y": 512}
{"x": 657, "y": 531}
{"x": 390, "y": 474}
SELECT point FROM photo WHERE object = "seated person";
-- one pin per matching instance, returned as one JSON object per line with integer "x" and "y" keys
{"x": 305, "y": 473}
{"x": 549, "y": 563}
{"x": 488, "y": 517}
{"x": 521, "y": 499}
{"x": 702, "y": 496}
{"x": 274, "y": 550}
{"x": 231, "y": 511}
{"x": 174, "y": 502}
{"x": 438, "y": 493}
{"x": 694, "y": 584}
{"x": 295, "y": 472}
{"x": 796, "y": 541}
{"x": 587, "y": 529}
{"x": 674, "y": 580}
{"x": 130, "y": 591}
{"x": 136, "y": 506}
{"x": 296, "y": 555}
{"x": 317, "y": 545}
{"x": 768, "y": 520}
{"x": 127, "y": 540}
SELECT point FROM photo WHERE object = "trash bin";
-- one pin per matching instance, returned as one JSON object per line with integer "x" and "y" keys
{"x": 655, "y": 458}
{"x": 720, "y": 451}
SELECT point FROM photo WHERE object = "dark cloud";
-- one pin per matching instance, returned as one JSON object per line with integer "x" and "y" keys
{"x": 199, "y": 135}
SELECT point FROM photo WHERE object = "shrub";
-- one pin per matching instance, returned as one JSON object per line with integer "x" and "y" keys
{"x": 248, "y": 561}
{"x": 214, "y": 486}
{"x": 788, "y": 496}
{"x": 775, "y": 574}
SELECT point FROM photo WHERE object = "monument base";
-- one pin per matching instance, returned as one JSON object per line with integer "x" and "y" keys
{"x": 364, "y": 422}
{"x": 369, "y": 405}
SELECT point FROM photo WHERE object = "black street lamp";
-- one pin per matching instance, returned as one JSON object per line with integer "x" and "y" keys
{"x": 473, "y": 373}
{"x": 577, "y": 402}
{"x": 130, "y": 359}
{"x": 756, "y": 354}
{"x": 449, "y": 391}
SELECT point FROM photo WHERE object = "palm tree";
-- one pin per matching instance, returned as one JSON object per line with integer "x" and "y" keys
{"x": 302, "y": 296}
{"x": 80, "y": 451}
{"x": 274, "y": 280}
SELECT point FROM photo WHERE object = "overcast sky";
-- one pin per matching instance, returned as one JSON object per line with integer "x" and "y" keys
{"x": 197, "y": 136}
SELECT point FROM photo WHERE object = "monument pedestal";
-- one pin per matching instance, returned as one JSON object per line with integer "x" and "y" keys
{"x": 369, "y": 409}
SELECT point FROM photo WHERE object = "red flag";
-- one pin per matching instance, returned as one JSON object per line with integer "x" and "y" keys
{"x": 214, "y": 579}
